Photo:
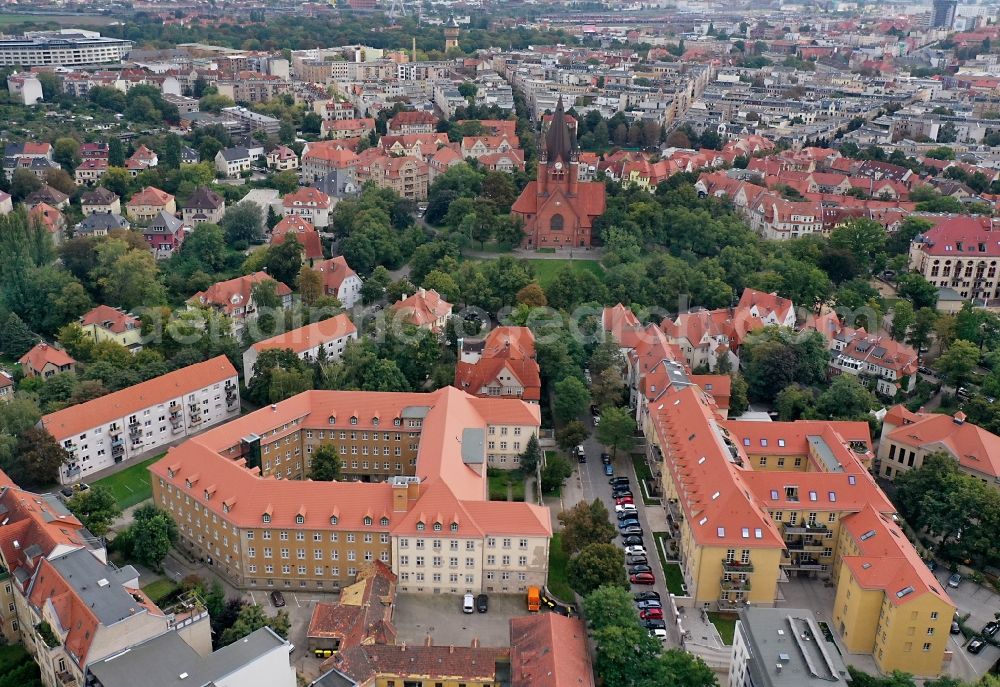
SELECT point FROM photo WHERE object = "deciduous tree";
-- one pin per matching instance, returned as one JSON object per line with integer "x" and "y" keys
{"x": 585, "y": 524}
{"x": 597, "y": 565}
{"x": 326, "y": 464}
{"x": 97, "y": 508}
{"x": 617, "y": 429}
{"x": 570, "y": 399}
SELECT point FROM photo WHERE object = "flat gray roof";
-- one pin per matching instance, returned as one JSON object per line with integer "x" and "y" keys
{"x": 787, "y": 649}
{"x": 473, "y": 446}
{"x": 99, "y": 585}
{"x": 825, "y": 454}
{"x": 163, "y": 660}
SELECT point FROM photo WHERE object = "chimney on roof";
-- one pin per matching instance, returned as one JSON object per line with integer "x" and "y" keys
{"x": 422, "y": 291}
{"x": 274, "y": 407}
{"x": 959, "y": 418}
{"x": 451, "y": 649}
{"x": 428, "y": 641}
{"x": 475, "y": 642}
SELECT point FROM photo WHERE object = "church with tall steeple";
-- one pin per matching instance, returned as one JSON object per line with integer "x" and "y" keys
{"x": 557, "y": 208}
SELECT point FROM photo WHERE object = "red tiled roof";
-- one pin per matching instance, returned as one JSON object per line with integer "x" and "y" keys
{"x": 311, "y": 335}
{"x": 235, "y": 292}
{"x": 549, "y": 650}
{"x": 150, "y": 196}
{"x": 306, "y": 197}
{"x": 334, "y": 271}
{"x": 972, "y": 446}
{"x": 422, "y": 308}
{"x": 68, "y": 422}
{"x": 303, "y": 231}
{"x": 42, "y": 354}
{"x": 109, "y": 318}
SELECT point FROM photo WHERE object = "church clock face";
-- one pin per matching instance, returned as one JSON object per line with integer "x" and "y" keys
{"x": 558, "y": 165}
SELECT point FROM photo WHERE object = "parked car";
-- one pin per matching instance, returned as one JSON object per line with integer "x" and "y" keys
{"x": 955, "y": 628}
{"x": 632, "y": 530}
{"x": 646, "y": 596}
{"x": 618, "y": 480}
{"x": 608, "y": 470}
{"x": 658, "y": 633}
{"x": 624, "y": 501}
{"x": 636, "y": 551}
{"x": 468, "y": 603}
{"x": 636, "y": 560}
{"x": 623, "y": 494}
{"x": 991, "y": 628}
{"x": 628, "y": 522}
{"x": 632, "y": 540}
{"x": 648, "y": 603}
{"x": 581, "y": 457}
{"x": 625, "y": 508}
{"x": 976, "y": 645}
{"x": 597, "y": 420}
{"x": 651, "y": 614}
{"x": 654, "y": 624}
{"x": 636, "y": 569}
{"x": 631, "y": 514}
{"x": 606, "y": 459}
{"x": 482, "y": 603}
{"x": 954, "y": 580}
{"x": 642, "y": 578}
{"x": 278, "y": 599}
{"x": 620, "y": 489}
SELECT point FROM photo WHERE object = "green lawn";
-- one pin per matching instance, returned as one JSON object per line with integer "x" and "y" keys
{"x": 674, "y": 578}
{"x": 546, "y": 270}
{"x": 131, "y": 485}
{"x": 558, "y": 560}
{"x": 725, "y": 623}
{"x": 159, "y": 590}
{"x": 499, "y": 481}
{"x": 643, "y": 474}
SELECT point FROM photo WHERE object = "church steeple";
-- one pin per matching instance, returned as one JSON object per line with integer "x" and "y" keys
{"x": 560, "y": 141}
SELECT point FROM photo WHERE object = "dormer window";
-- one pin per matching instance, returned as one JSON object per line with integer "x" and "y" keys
{"x": 187, "y": 483}
{"x": 354, "y": 420}
{"x": 420, "y": 527}
{"x": 384, "y": 522}
{"x": 267, "y": 518}
{"x": 437, "y": 527}
{"x": 454, "y": 527}
{"x": 333, "y": 519}
{"x": 375, "y": 422}
{"x": 208, "y": 495}
{"x": 299, "y": 520}
{"x": 170, "y": 473}
{"x": 333, "y": 420}
{"x": 397, "y": 422}
{"x": 225, "y": 507}
{"x": 368, "y": 521}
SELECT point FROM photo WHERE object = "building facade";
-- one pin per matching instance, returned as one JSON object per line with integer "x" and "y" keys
{"x": 117, "y": 427}
{"x": 321, "y": 340}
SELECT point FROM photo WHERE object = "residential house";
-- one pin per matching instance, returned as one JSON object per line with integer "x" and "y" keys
{"x": 232, "y": 162}
{"x": 908, "y": 437}
{"x": 189, "y": 156}
{"x": 47, "y": 194}
{"x": 148, "y": 203}
{"x": 340, "y": 281}
{"x": 346, "y": 128}
{"x": 164, "y": 234}
{"x": 310, "y": 204}
{"x": 282, "y": 159}
{"x": 100, "y": 200}
{"x": 234, "y": 298}
{"x": 412, "y": 122}
{"x": 50, "y": 218}
{"x": 323, "y": 157}
{"x": 104, "y": 323}
{"x": 887, "y": 366}
{"x": 6, "y": 386}
{"x": 420, "y": 146}
{"x": 89, "y": 172}
{"x": 502, "y": 364}
{"x": 407, "y": 176}
{"x": 142, "y": 159}
{"x": 443, "y": 160}
{"x": 323, "y": 340}
{"x": 204, "y": 205}
{"x": 44, "y": 361}
{"x": 99, "y": 224}
{"x": 549, "y": 650}
{"x": 304, "y": 232}
{"x": 424, "y": 309}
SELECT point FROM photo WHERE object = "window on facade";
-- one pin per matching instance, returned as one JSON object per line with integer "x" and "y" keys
{"x": 556, "y": 223}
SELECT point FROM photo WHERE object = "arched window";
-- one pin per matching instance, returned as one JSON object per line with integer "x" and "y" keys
{"x": 556, "y": 223}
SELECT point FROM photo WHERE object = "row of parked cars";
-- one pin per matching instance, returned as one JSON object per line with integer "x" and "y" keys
{"x": 977, "y": 643}
{"x": 636, "y": 558}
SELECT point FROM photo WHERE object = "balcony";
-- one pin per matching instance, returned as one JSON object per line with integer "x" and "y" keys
{"x": 805, "y": 546}
{"x": 71, "y": 471}
{"x": 737, "y": 567}
{"x": 804, "y": 528}
{"x": 803, "y": 564}
{"x": 735, "y": 584}
{"x": 67, "y": 679}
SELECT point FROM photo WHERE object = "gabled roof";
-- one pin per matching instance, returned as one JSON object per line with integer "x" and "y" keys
{"x": 972, "y": 446}
{"x": 307, "y": 197}
{"x": 42, "y": 354}
{"x": 204, "y": 199}
{"x": 549, "y": 650}
{"x": 304, "y": 232}
{"x": 311, "y": 335}
{"x": 150, "y": 196}
{"x": 112, "y": 319}
{"x": 334, "y": 271}
{"x": 99, "y": 196}
{"x": 164, "y": 223}
{"x": 423, "y": 307}
{"x": 234, "y": 293}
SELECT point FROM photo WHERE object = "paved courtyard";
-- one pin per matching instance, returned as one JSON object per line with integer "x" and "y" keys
{"x": 440, "y": 615}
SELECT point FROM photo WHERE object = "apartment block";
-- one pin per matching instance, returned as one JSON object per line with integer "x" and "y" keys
{"x": 321, "y": 340}
{"x": 413, "y": 494}
{"x": 131, "y": 422}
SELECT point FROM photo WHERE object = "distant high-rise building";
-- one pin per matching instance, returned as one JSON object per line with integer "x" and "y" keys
{"x": 944, "y": 13}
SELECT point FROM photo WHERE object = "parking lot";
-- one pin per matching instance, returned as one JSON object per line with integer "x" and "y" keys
{"x": 418, "y": 615}
{"x": 980, "y": 603}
